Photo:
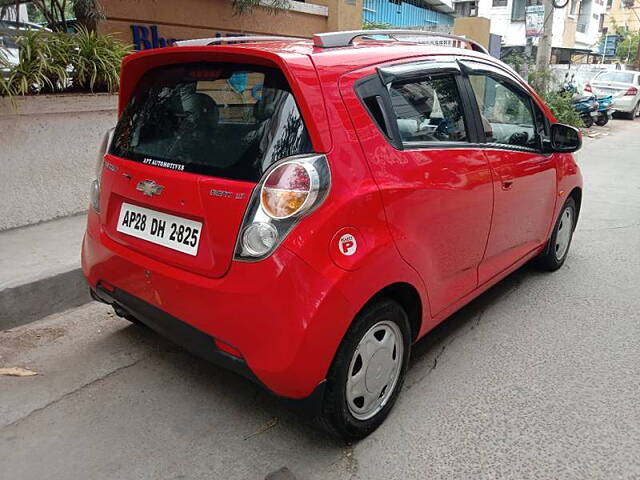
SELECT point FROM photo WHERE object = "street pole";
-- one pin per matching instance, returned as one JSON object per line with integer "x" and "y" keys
{"x": 543, "y": 58}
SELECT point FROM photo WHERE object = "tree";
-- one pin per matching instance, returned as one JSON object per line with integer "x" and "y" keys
{"x": 55, "y": 13}
{"x": 628, "y": 43}
{"x": 241, "y": 7}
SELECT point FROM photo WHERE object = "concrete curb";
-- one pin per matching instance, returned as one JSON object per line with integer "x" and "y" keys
{"x": 40, "y": 271}
{"x": 33, "y": 301}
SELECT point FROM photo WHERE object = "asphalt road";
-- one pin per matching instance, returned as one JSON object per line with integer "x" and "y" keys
{"x": 538, "y": 378}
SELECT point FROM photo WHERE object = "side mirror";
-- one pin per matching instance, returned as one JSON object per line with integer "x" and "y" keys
{"x": 564, "y": 139}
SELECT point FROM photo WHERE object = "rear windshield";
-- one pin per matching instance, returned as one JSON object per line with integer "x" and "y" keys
{"x": 622, "y": 77}
{"x": 220, "y": 119}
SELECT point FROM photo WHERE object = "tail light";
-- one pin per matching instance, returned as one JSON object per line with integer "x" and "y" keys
{"x": 288, "y": 191}
{"x": 95, "y": 185}
{"x": 587, "y": 88}
{"x": 633, "y": 91}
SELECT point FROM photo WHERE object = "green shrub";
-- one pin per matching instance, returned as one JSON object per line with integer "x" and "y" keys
{"x": 59, "y": 61}
{"x": 96, "y": 61}
{"x": 375, "y": 26}
{"x": 562, "y": 108}
{"x": 43, "y": 66}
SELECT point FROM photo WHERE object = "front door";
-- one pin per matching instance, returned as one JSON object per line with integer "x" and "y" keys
{"x": 434, "y": 179}
{"x": 524, "y": 178}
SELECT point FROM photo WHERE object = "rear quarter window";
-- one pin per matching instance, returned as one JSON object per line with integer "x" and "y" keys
{"x": 226, "y": 120}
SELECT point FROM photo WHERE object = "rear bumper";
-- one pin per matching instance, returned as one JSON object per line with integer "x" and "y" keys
{"x": 625, "y": 104}
{"x": 285, "y": 319}
{"x": 197, "y": 342}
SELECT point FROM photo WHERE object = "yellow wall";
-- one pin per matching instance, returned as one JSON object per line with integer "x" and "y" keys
{"x": 622, "y": 16}
{"x": 569, "y": 34}
{"x": 475, "y": 28}
{"x": 205, "y": 18}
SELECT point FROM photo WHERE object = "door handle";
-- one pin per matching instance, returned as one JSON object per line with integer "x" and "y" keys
{"x": 507, "y": 184}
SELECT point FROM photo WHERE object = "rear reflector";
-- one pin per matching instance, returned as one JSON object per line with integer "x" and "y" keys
{"x": 106, "y": 285}
{"x": 226, "y": 348}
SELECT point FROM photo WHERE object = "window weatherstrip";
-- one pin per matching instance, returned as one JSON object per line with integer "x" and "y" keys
{"x": 415, "y": 71}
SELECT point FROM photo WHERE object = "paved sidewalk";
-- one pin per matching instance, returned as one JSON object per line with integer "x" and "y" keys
{"x": 40, "y": 270}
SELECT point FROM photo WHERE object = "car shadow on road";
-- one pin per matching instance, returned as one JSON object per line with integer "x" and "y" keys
{"x": 263, "y": 414}
{"x": 426, "y": 353}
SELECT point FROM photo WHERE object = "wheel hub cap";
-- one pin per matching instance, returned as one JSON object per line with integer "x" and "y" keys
{"x": 374, "y": 370}
{"x": 563, "y": 236}
{"x": 378, "y": 371}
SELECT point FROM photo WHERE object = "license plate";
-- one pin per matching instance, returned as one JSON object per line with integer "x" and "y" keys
{"x": 160, "y": 228}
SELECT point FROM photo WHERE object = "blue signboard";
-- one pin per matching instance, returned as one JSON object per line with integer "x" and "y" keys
{"x": 609, "y": 45}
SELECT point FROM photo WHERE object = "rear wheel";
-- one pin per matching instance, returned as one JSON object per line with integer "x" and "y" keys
{"x": 635, "y": 112}
{"x": 588, "y": 121}
{"x": 602, "y": 120}
{"x": 553, "y": 257}
{"x": 368, "y": 371}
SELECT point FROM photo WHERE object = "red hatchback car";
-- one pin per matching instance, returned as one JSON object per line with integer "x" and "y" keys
{"x": 302, "y": 211}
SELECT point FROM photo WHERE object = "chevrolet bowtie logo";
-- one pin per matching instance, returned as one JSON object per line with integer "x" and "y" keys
{"x": 149, "y": 188}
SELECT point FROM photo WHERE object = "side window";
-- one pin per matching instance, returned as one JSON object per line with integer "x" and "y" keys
{"x": 505, "y": 111}
{"x": 429, "y": 109}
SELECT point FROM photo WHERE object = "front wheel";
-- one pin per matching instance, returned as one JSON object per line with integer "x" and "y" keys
{"x": 368, "y": 371}
{"x": 553, "y": 257}
{"x": 587, "y": 120}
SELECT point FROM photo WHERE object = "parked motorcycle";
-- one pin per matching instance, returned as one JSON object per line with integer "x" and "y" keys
{"x": 605, "y": 109}
{"x": 587, "y": 106}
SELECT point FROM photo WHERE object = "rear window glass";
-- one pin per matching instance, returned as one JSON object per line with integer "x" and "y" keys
{"x": 622, "y": 77}
{"x": 225, "y": 120}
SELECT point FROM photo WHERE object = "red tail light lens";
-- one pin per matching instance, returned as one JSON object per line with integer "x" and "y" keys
{"x": 289, "y": 189}
{"x": 587, "y": 88}
{"x": 292, "y": 189}
{"x": 632, "y": 91}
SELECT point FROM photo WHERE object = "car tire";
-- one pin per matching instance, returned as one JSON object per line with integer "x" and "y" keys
{"x": 602, "y": 120}
{"x": 368, "y": 361}
{"x": 635, "y": 112}
{"x": 555, "y": 254}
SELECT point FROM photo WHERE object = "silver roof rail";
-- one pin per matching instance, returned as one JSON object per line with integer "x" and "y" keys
{"x": 344, "y": 39}
{"x": 203, "y": 42}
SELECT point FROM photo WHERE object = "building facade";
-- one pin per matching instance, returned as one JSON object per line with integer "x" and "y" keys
{"x": 623, "y": 13}
{"x": 577, "y": 28}
{"x": 409, "y": 14}
{"x": 151, "y": 24}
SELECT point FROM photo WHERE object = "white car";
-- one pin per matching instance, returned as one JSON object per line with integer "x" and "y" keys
{"x": 624, "y": 85}
{"x": 9, "y": 51}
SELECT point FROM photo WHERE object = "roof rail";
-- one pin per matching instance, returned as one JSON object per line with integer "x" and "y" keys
{"x": 201, "y": 42}
{"x": 344, "y": 39}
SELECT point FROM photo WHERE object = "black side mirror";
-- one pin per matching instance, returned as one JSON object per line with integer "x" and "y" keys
{"x": 564, "y": 139}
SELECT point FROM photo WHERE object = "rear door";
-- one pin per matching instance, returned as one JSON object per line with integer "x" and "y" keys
{"x": 524, "y": 178}
{"x": 412, "y": 122}
{"x": 188, "y": 149}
